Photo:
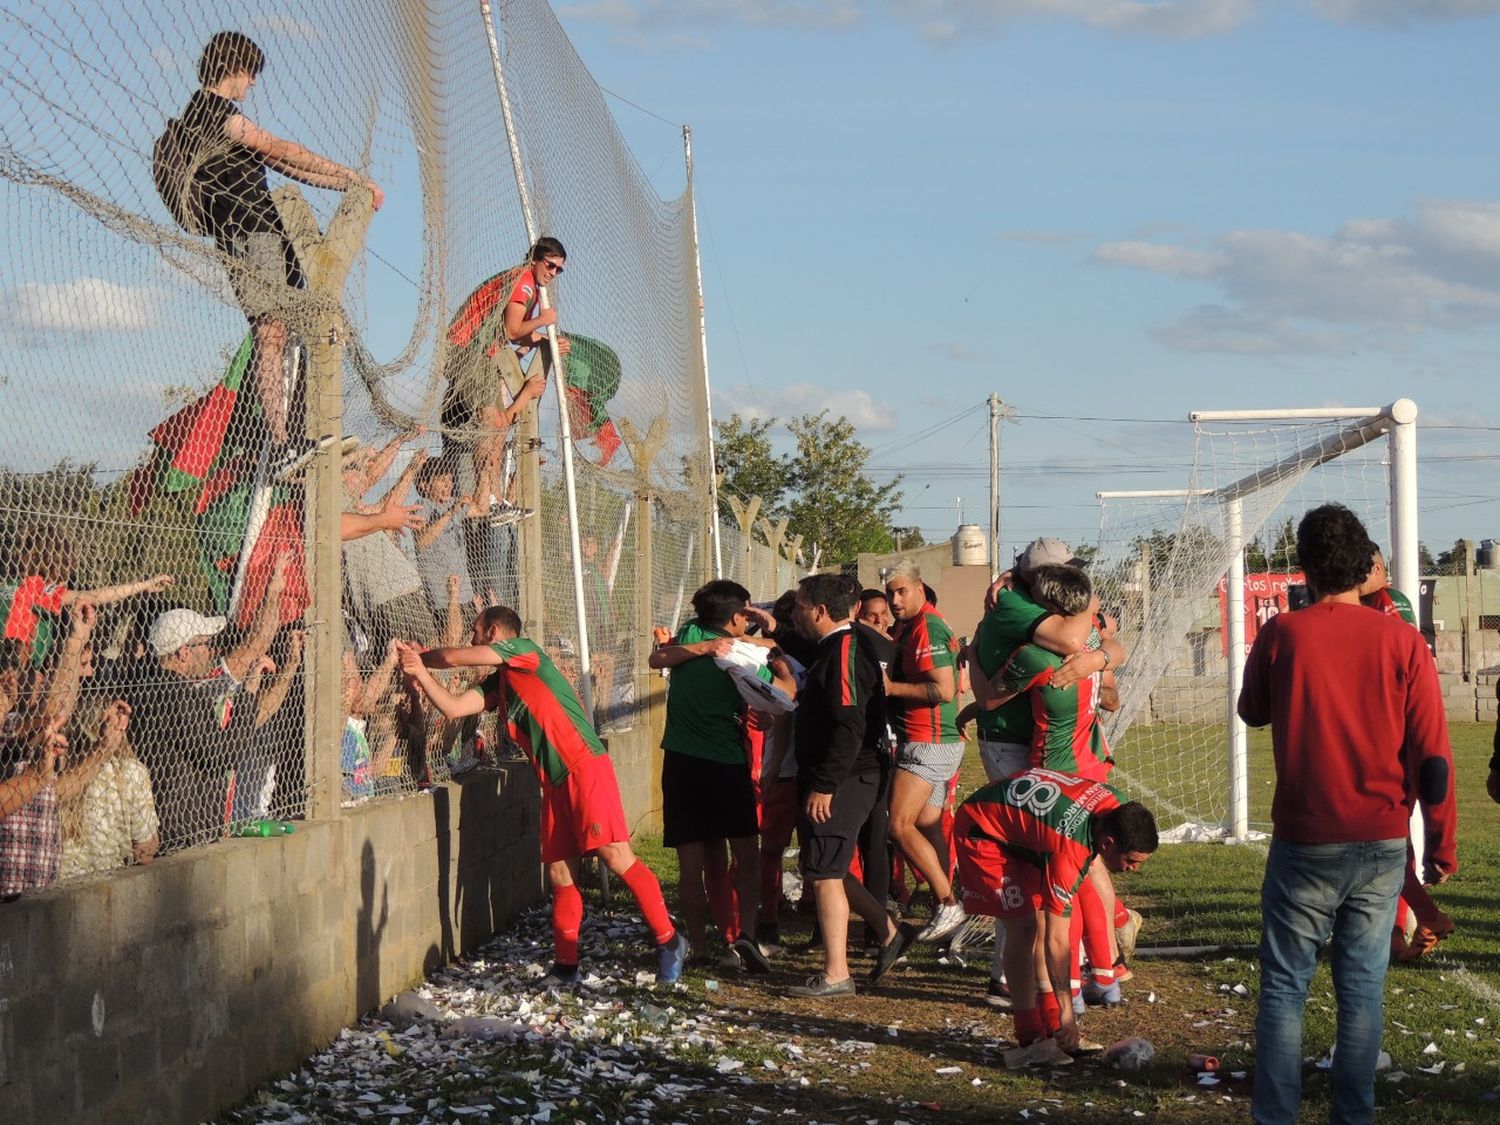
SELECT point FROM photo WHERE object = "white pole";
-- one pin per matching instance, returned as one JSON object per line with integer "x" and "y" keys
{"x": 708, "y": 414}
{"x": 1405, "y": 570}
{"x": 1238, "y": 822}
{"x": 580, "y": 605}
{"x": 994, "y": 401}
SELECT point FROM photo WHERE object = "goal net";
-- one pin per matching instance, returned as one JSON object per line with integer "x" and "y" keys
{"x": 1166, "y": 568}
{"x": 143, "y": 430}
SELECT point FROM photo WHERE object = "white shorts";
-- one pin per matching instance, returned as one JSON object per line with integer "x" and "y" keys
{"x": 934, "y": 762}
{"x": 1003, "y": 759}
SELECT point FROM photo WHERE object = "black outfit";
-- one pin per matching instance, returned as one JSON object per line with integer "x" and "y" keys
{"x": 841, "y": 744}
{"x": 874, "y": 836}
{"x": 704, "y": 800}
{"x": 236, "y": 198}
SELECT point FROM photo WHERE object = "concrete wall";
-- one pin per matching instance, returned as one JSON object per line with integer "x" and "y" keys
{"x": 166, "y": 992}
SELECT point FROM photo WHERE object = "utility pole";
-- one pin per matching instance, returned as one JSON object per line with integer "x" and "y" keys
{"x": 995, "y": 405}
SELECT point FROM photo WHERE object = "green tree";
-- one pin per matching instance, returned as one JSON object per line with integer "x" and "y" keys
{"x": 1425, "y": 562}
{"x": 1282, "y": 556}
{"x": 751, "y": 467}
{"x": 1454, "y": 559}
{"x": 834, "y": 505}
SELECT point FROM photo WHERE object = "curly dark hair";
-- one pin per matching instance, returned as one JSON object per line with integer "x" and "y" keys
{"x": 1334, "y": 549}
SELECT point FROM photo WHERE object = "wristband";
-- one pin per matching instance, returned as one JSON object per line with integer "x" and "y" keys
{"x": 1107, "y": 660}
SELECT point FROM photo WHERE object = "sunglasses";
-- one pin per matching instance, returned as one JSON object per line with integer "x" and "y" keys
{"x": 555, "y": 267}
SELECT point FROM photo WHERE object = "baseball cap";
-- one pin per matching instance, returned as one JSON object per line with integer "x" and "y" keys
{"x": 1046, "y": 551}
{"x": 176, "y": 627}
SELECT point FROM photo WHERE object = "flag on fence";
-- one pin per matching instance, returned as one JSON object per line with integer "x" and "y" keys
{"x": 213, "y": 446}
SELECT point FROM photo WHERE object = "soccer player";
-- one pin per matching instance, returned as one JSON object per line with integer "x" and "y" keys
{"x": 920, "y": 686}
{"x": 1066, "y": 738}
{"x": 1350, "y": 764}
{"x": 707, "y": 792}
{"x": 840, "y": 732}
{"x": 1414, "y": 904}
{"x": 1025, "y": 846}
{"x": 581, "y": 809}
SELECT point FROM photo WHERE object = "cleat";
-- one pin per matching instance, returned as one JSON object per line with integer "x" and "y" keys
{"x": 1097, "y": 997}
{"x": 670, "y": 957}
{"x": 1122, "y": 971}
{"x": 1043, "y": 1052}
{"x": 1425, "y": 940}
{"x": 998, "y": 995}
{"x": 560, "y": 976}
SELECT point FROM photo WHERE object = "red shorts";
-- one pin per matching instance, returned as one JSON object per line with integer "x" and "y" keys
{"x": 583, "y": 813}
{"x": 996, "y": 883}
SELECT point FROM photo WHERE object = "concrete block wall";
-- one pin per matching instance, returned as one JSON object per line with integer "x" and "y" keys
{"x": 165, "y": 993}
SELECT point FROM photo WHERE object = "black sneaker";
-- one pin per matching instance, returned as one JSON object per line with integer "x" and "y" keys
{"x": 998, "y": 995}
{"x": 892, "y": 952}
{"x": 752, "y": 957}
{"x": 560, "y": 976}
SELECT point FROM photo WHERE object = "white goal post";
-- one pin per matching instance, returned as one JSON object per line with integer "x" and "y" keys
{"x": 1396, "y": 423}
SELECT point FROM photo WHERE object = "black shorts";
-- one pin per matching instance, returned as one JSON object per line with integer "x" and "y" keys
{"x": 703, "y": 800}
{"x": 828, "y": 848}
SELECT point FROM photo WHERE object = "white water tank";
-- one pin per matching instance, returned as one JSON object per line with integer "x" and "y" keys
{"x": 969, "y": 546}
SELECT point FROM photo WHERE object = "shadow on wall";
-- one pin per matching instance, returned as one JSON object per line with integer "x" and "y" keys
{"x": 368, "y": 933}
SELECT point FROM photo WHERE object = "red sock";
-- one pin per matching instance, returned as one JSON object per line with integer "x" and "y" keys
{"x": 1051, "y": 1012}
{"x": 567, "y": 917}
{"x": 1028, "y": 1026}
{"x": 1122, "y": 915}
{"x": 723, "y": 904}
{"x": 1403, "y": 918}
{"x": 1096, "y": 931}
{"x": 644, "y": 886}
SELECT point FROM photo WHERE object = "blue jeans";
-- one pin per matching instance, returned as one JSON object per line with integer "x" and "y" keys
{"x": 1310, "y": 891}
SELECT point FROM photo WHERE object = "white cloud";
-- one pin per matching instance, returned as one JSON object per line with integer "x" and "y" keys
{"x": 1155, "y": 257}
{"x": 1404, "y": 11}
{"x": 35, "y": 313}
{"x": 865, "y": 412}
{"x": 1375, "y": 282}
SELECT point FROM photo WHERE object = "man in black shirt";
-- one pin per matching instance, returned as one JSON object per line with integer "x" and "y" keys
{"x": 840, "y": 738}
{"x": 231, "y": 158}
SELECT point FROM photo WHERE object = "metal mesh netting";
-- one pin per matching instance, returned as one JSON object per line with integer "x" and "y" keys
{"x": 1161, "y": 570}
{"x": 149, "y": 432}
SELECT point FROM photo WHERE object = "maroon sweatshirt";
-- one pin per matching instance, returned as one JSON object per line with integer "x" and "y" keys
{"x": 1354, "y": 705}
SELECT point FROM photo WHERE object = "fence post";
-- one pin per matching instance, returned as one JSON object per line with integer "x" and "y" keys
{"x": 326, "y": 261}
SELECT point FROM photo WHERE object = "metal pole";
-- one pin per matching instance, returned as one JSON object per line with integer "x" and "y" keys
{"x": 1238, "y": 821}
{"x": 994, "y": 486}
{"x": 554, "y": 356}
{"x": 1405, "y": 570}
{"x": 708, "y": 415}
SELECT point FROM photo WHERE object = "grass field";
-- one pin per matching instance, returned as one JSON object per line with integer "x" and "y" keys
{"x": 1208, "y": 894}
{"x": 923, "y": 1047}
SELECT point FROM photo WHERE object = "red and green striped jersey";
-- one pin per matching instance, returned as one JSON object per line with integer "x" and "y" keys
{"x": 1392, "y": 602}
{"x": 1001, "y": 631}
{"x": 1044, "y": 818}
{"x": 30, "y": 611}
{"x": 924, "y": 642}
{"x": 1065, "y": 732}
{"x": 542, "y": 711}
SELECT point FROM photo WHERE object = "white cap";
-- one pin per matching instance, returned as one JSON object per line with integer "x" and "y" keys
{"x": 176, "y": 627}
{"x": 1046, "y": 552}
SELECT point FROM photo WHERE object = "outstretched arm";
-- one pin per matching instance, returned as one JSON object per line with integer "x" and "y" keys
{"x": 452, "y": 706}
{"x": 297, "y": 161}
{"x": 108, "y": 595}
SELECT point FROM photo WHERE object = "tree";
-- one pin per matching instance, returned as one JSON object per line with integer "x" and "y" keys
{"x": 834, "y": 505}
{"x": 907, "y": 537}
{"x": 1283, "y": 554}
{"x": 750, "y": 466}
{"x": 1425, "y": 562}
{"x": 1454, "y": 559}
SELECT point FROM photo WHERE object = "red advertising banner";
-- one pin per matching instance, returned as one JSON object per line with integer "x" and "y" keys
{"x": 1265, "y": 597}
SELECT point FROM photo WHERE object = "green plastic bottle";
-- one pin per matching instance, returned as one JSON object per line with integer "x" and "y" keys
{"x": 264, "y": 828}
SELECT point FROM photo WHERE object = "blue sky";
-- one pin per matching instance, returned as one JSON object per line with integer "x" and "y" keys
{"x": 1113, "y": 210}
{"x": 1109, "y": 212}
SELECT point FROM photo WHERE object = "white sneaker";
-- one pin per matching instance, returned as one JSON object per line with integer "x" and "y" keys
{"x": 502, "y": 514}
{"x": 949, "y": 916}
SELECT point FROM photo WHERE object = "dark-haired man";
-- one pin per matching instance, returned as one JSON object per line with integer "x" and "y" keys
{"x": 707, "y": 793}
{"x": 231, "y": 156}
{"x": 1025, "y": 846}
{"x": 581, "y": 809}
{"x": 875, "y": 611}
{"x": 1359, "y": 736}
{"x": 840, "y": 733}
